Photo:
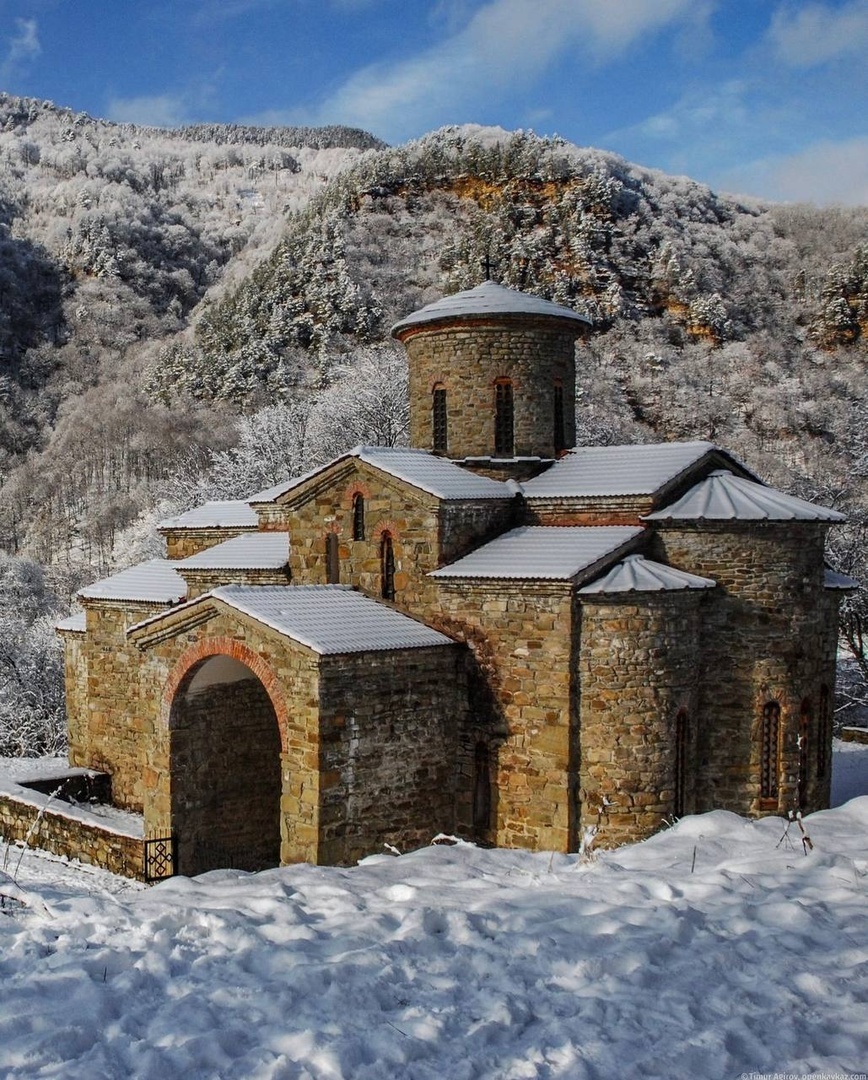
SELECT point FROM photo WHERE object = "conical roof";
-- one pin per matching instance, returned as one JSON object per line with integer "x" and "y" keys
{"x": 488, "y": 299}
{"x": 638, "y": 574}
{"x": 722, "y": 496}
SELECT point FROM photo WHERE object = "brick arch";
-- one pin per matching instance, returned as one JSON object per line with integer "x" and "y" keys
{"x": 357, "y": 487}
{"x": 389, "y": 527}
{"x": 226, "y": 646}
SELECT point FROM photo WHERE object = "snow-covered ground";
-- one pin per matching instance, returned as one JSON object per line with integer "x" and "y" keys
{"x": 717, "y": 948}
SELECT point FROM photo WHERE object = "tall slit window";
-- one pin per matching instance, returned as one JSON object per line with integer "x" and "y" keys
{"x": 504, "y": 418}
{"x": 681, "y": 763}
{"x": 387, "y": 568}
{"x": 560, "y": 435}
{"x": 439, "y": 421}
{"x": 804, "y": 745}
{"x": 358, "y": 516}
{"x": 824, "y": 732}
{"x": 333, "y": 563}
{"x": 770, "y": 735}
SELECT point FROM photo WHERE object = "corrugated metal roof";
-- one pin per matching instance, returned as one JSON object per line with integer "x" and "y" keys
{"x": 253, "y": 551}
{"x": 834, "y": 580}
{"x": 234, "y": 513}
{"x": 436, "y": 475}
{"x": 638, "y": 574}
{"x": 541, "y": 552}
{"x": 587, "y": 471}
{"x": 488, "y": 298}
{"x": 329, "y": 619}
{"x": 722, "y": 496}
{"x": 154, "y": 582}
{"x": 76, "y": 622}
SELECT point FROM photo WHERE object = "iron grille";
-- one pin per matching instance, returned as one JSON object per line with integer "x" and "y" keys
{"x": 160, "y": 858}
{"x": 769, "y": 756}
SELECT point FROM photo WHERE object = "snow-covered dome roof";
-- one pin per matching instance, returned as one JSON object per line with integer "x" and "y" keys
{"x": 489, "y": 298}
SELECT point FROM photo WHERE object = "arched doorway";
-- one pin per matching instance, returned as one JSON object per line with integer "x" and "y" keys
{"x": 225, "y": 747}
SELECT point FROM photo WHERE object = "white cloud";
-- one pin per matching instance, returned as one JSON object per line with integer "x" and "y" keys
{"x": 807, "y": 34}
{"x": 23, "y": 46}
{"x": 504, "y": 45}
{"x": 826, "y": 172}
{"x": 161, "y": 110}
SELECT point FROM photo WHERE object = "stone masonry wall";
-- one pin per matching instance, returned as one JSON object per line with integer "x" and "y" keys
{"x": 638, "y": 666}
{"x": 182, "y": 543}
{"x": 769, "y": 634}
{"x": 522, "y": 705}
{"x": 108, "y": 731}
{"x": 202, "y": 581}
{"x": 50, "y": 830}
{"x": 467, "y": 357}
{"x": 389, "y": 730}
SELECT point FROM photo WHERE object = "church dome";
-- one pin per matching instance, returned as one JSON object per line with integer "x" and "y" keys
{"x": 488, "y": 299}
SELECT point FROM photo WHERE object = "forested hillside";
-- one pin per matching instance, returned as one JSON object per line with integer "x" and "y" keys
{"x": 160, "y": 289}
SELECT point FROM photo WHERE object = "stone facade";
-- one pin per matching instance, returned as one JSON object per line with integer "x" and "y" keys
{"x": 564, "y": 704}
{"x": 468, "y": 359}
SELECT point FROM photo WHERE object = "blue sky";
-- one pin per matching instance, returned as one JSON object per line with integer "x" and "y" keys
{"x": 762, "y": 97}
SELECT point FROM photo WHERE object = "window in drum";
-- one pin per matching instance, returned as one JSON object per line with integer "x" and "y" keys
{"x": 560, "y": 436}
{"x": 439, "y": 421}
{"x": 504, "y": 417}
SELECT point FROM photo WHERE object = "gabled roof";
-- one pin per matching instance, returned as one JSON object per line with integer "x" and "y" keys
{"x": 419, "y": 468}
{"x": 154, "y": 582}
{"x": 234, "y": 513}
{"x": 594, "y": 471}
{"x": 253, "y": 551}
{"x": 723, "y": 496}
{"x": 488, "y": 298}
{"x": 638, "y": 574}
{"x": 330, "y": 619}
{"x": 542, "y": 552}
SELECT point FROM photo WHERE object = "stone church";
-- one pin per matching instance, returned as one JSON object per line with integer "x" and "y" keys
{"x": 494, "y": 634}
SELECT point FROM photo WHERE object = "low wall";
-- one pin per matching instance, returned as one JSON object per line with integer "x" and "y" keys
{"x": 55, "y": 829}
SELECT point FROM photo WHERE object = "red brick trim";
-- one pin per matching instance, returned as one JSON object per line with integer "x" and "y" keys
{"x": 387, "y": 527}
{"x": 226, "y": 646}
{"x": 357, "y": 487}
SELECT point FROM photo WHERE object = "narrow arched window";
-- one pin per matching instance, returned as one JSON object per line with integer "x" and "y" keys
{"x": 503, "y": 418}
{"x": 358, "y": 516}
{"x": 559, "y": 434}
{"x": 439, "y": 421}
{"x": 804, "y": 749}
{"x": 333, "y": 560}
{"x": 770, "y": 737}
{"x": 824, "y": 732}
{"x": 682, "y": 763}
{"x": 387, "y": 568}
{"x": 482, "y": 788}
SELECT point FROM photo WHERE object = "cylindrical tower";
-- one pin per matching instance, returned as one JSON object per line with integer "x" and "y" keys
{"x": 492, "y": 376}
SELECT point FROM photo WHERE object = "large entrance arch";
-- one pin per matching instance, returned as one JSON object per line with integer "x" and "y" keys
{"x": 225, "y": 774}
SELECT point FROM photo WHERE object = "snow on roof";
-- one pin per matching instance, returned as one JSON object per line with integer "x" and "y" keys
{"x": 834, "y": 580}
{"x": 722, "y": 496}
{"x": 541, "y": 552}
{"x": 638, "y": 574}
{"x": 421, "y": 469}
{"x": 615, "y": 470}
{"x": 76, "y": 622}
{"x": 329, "y": 619}
{"x": 488, "y": 298}
{"x": 252, "y": 551}
{"x": 230, "y": 513}
{"x": 153, "y": 582}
